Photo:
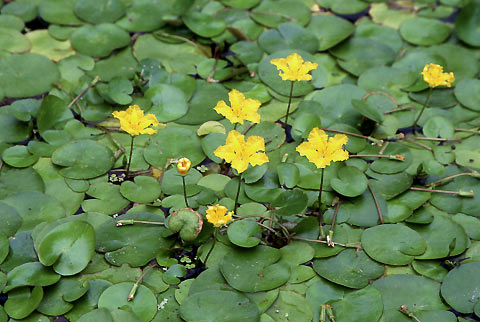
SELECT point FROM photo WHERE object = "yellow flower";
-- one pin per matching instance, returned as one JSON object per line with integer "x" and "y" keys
{"x": 242, "y": 109}
{"x": 321, "y": 150}
{"x": 433, "y": 75}
{"x": 293, "y": 68}
{"x": 217, "y": 215}
{"x": 134, "y": 122}
{"x": 240, "y": 153}
{"x": 183, "y": 166}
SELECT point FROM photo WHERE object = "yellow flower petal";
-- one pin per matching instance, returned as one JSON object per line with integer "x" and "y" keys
{"x": 242, "y": 109}
{"x": 293, "y": 68}
{"x": 433, "y": 75}
{"x": 240, "y": 153}
{"x": 216, "y": 215}
{"x": 134, "y": 122}
{"x": 322, "y": 150}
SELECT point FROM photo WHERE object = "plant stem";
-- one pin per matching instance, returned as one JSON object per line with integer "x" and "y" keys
{"x": 446, "y": 179}
{"x": 289, "y": 102}
{"x": 376, "y": 141}
{"x": 379, "y": 211}
{"x": 238, "y": 194}
{"x": 387, "y": 156}
{"x": 185, "y": 192}
{"x": 460, "y": 193}
{"x": 92, "y": 83}
{"x": 211, "y": 248}
{"x": 330, "y": 233}
{"x": 404, "y": 310}
{"x": 320, "y": 214}
{"x": 131, "y": 295}
{"x": 130, "y": 157}
{"x": 348, "y": 245}
{"x": 423, "y": 108}
{"x": 127, "y": 222}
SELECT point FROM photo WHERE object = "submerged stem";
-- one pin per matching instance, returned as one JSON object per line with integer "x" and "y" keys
{"x": 423, "y": 108}
{"x": 185, "y": 192}
{"x": 289, "y": 102}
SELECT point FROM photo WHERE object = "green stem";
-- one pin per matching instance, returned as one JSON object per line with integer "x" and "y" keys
{"x": 131, "y": 295}
{"x": 130, "y": 157}
{"x": 423, "y": 108}
{"x": 322, "y": 233}
{"x": 185, "y": 192}
{"x": 211, "y": 248}
{"x": 289, "y": 102}
{"x": 238, "y": 194}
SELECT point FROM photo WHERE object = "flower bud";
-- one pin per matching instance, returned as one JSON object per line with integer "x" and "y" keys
{"x": 183, "y": 166}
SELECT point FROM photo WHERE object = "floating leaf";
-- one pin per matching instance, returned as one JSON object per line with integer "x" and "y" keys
{"x": 349, "y": 268}
{"x": 393, "y": 244}
{"x": 68, "y": 247}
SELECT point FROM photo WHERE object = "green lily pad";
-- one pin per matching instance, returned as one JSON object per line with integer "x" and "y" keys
{"x": 168, "y": 102}
{"x": 290, "y": 305}
{"x": 272, "y": 13}
{"x": 133, "y": 244}
{"x": 467, "y": 93}
{"x": 25, "y": 10}
{"x": 143, "y": 190}
{"x": 387, "y": 80}
{"x": 95, "y": 12}
{"x": 345, "y": 7}
{"x": 183, "y": 143}
{"x": 351, "y": 182}
{"x": 4, "y": 247}
{"x": 444, "y": 237}
{"x": 430, "y": 268}
{"x": 21, "y": 302}
{"x": 349, "y": 268}
{"x": 330, "y": 30}
{"x": 30, "y": 274}
{"x": 11, "y": 220}
{"x": 466, "y": 22}
{"x": 336, "y": 101}
{"x": 393, "y": 244}
{"x": 19, "y": 156}
{"x": 21, "y": 251}
{"x": 244, "y": 233}
{"x": 438, "y": 126}
{"x": 460, "y": 288}
{"x": 144, "y": 16}
{"x": 83, "y": 159}
{"x": 25, "y": 75}
{"x": 397, "y": 290}
{"x": 290, "y": 202}
{"x": 57, "y": 298}
{"x": 101, "y": 314}
{"x": 143, "y": 305}
{"x": 107, "y": 198}
{"x": 186, "y": 221}
{"x": 99, "y": 40}
{"x": 44, "y": 44}
{"x": 59, "y": 12}
{"x": 119, "y": 90}
{"x": 68, "y": 247}
{"x": 357, "y": 55}
{"x": 201, "y": 105}
{"x": 254, "y": 269}
{"x": 288, "y": 36}
{"x": 424, "y": 31}
{"x": 288, "y": 174}
{"x": 203, "y": 24}
{"x": 13, "y": 41}
{"x": 35, "y": 207}
{"x": 203, "y": 306}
